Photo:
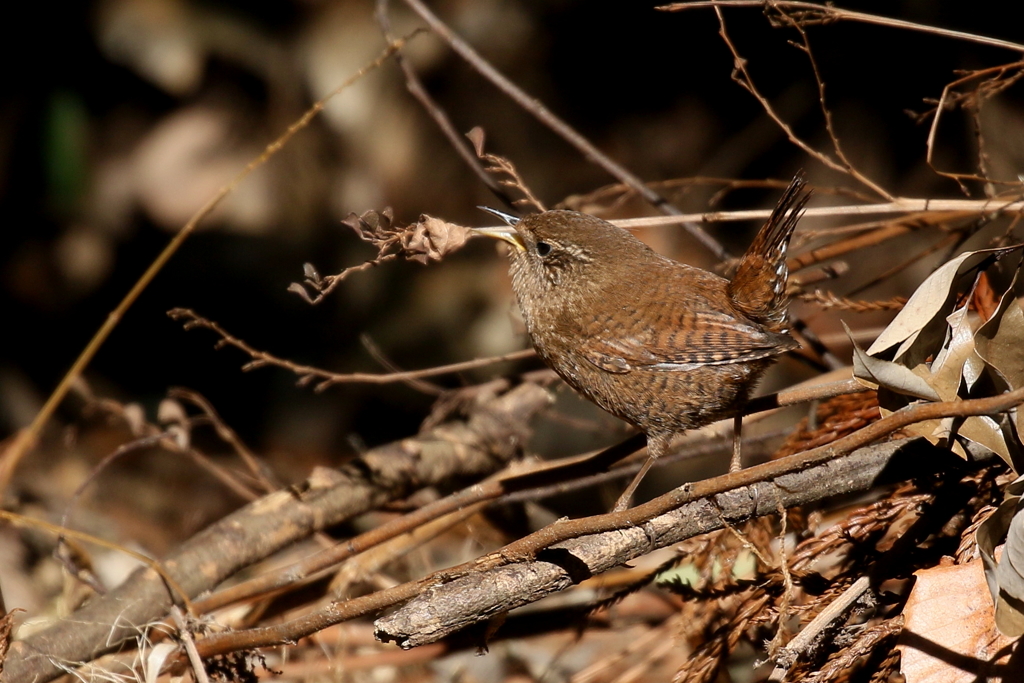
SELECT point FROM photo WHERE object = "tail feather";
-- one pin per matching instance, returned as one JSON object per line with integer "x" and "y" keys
{"x": 758, "y": 289}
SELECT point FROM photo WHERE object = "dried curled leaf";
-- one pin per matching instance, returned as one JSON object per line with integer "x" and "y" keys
{"x": 428, "y": 239}
{"x": 376, "y": 227}
{"x": 892, "y": 376}
{"x": 951, "y": 342}
{"x": 929, "y": 304}
{"x": 432, "y": 239}
{"x": 504, "y": 170}
{"x": 1005, "y": 574}
{"x": 938, "y": 348}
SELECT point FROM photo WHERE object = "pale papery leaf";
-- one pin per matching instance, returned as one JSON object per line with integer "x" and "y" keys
{"x": 1000, "y": 341}
{"x": 1000, "y": 344}
{"x": 296, "y": 288}
{"x": 1006, "y": 586}
{"x": 155, "y": 660}
{"x": 477, "y": 137}
{"x": 984, "y": 430}
{"x": 892, "y": 376}
{"x": 1010, "y": 571}
{"x": 990, "y": 535}
{"x": 947, "y": 369}
{"x": 949, "y": 612}
{"x": 180, "y": 436}
{"x": 927, "y": 302}
{"x": 936, "y": 431}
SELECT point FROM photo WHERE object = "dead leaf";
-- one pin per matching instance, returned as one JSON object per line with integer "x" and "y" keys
{"x": 477, "y": 137}
{"x": 984, "y": 430}
{"x": 929, "y": 301}
{"x": 948, "y": 367}
{"x": 432, "y": 239}
{"x": 1005, "y": 582}
{"x": 890, "y": 375}
{"x": 376, "y": 228}
{"x": 949, "y": 622}
{"x": 428, "y": 239}
{"x": 999, "y": 340}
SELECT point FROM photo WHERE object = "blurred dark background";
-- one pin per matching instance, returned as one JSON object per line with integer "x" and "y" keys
{"x": 119, "y": 118}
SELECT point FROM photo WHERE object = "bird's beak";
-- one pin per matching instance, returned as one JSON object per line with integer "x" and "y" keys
{"x": 508, "y": 234}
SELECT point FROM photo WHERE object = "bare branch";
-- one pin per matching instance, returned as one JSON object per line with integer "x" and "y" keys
{"x": 415, "y": 87}
{"x": 472, "y": 591}
{"x": 560, "y": 127}
{"x": 500, "y": 166}
{"x": 994, "y": 206}
{"x": 473, "y": 447}
{"x": 308, "y": 373}
{"x": 742, "y": 76}
{"x": 829, "y": 301}
{"x": 994, "y": 80}
{"x": 826, "y": 13}
{"x": 428, "y": 239}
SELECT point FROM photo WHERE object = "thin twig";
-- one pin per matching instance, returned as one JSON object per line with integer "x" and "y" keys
{"x": 500, "y": 166}
{"x": 942, "y": 106}
{"x": 613, "y": 196}
{"x": 185, "y": 634}
{"x": 227, "y": 434}
{"x": 830, "y": 13}
{"x": 950, "y": 242}
{"x": 835, "y": 609}
{"x": 788, "y": 588}
{"x": 805, "y": 47}
{"x": 968, "y": 207}
{"x": 308, "y": 373}
{"x": 828, "y": 301}
{"x": 328, "y": 283}
{"x": 378, "y": 355}
{"x": 743, "y": 78}
{"x": 560, "y": 127}
{"x": 176, "y": 590}
{"x": 415, "y": 87}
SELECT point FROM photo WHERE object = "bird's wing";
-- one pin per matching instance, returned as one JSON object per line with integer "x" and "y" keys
{"x": 688, "y": 338}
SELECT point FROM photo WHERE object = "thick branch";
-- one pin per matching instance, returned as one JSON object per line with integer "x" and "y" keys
{"x": 449, "y": 607}
{"x": 475, "y": 447}
{"x": 750, "y": 480}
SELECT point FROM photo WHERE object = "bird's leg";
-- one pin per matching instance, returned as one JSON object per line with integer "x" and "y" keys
{"x": 656, "y": 446}
{"x": 737, "y": 442}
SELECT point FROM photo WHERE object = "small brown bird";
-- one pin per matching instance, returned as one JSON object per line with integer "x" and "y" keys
{"x": 662, "y": 345}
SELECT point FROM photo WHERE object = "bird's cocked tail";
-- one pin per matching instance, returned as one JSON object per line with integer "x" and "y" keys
{"x": 758, "y": 289}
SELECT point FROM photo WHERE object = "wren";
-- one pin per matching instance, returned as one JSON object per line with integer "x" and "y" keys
{"x": 663, "y": 345}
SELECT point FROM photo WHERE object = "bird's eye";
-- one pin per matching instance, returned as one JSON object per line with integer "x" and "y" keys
{"x": 543, "y": 249}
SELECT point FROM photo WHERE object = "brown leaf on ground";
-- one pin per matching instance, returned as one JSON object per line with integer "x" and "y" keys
{"x": 950, "y": 634}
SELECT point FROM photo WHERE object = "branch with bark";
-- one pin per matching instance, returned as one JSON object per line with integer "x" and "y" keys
{"x": 491, "y": 435}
